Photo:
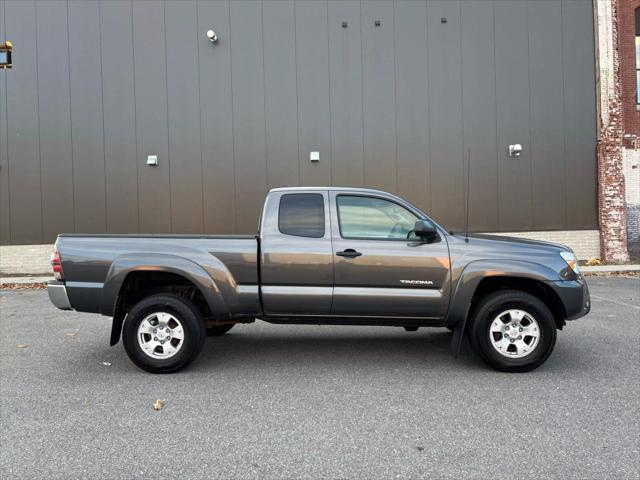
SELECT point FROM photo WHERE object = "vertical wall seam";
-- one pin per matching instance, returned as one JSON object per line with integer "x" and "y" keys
{"x": 364, "y": 163}
{"x": 395, "y": 91}
{"x": 233, "y": 133}
{"x": 329, "y": 87}
{"x": 6, "y": 126}
{"x": 564, "y": 117}
{"x": 166, "y": 87}
{"x": 135, "y": 117}
{"x": 465, "y": 154}
{"x": 264, "y": 100}
{"x": 428, "y": 149}
{"x": 35, "y": 24}
{"x": 104, "y": 143}
{"x": 73, "y": 181}
{"x": 531, "y": 226}
{"x": 202, "y": 182}
{"x": 295, "y": 40}
{"x": 495, "y": 106}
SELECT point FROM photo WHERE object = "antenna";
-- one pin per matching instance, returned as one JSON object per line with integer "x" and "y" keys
{"x": 466, "y": 198}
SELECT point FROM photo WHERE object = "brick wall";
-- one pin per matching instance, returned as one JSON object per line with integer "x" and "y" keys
{"x": 611, "y": 184}
{"x": 631, "y": 115}
{"x": 626, "y": 42}
{"x": 584, "y": 243}
{"x": 631, "y": 160}
{"x": 25, "y": 259}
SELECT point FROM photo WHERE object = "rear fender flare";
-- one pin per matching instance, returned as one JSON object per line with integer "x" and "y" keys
{"x": 129, "y": 263}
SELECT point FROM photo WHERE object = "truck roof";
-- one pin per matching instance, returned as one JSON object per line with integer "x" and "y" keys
{"x": 350, "y": 189}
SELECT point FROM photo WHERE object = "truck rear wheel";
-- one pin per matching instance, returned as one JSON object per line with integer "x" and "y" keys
{"x": 217, "y": 330}
{"x": 513, "y": 331}
{"x": 163, "y": 333}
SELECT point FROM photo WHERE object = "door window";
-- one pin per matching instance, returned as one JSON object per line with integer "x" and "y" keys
{"x": 373, "y": 218}
{"x": 302, "y": 215}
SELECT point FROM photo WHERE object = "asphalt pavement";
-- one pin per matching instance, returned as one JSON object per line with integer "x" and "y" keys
{"x": 274, "y": 401}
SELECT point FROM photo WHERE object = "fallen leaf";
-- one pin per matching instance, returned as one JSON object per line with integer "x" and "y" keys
{"x": 22, "y": 345}
{"x": 106, "y": 364}
{"x": 159, "y": 404}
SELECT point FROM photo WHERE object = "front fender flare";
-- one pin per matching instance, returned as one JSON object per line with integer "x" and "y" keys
{"x": 471, "y": 276}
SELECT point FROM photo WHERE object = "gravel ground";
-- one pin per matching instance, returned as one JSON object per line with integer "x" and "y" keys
{"x": 270, "y": 401}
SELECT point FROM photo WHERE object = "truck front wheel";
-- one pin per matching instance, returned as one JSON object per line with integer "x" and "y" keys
{"x": 163, "y": 333}
{"x": 513, "y": 331}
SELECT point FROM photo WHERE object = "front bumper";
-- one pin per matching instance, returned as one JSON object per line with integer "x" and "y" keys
{"x": 58, "y": 295}
{"x": 574, "y": 295}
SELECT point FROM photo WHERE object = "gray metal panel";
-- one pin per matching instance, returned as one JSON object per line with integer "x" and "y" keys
{"x": 345, "y": 68}
{"x": 216, "y": 117}
{"x": 479, "y": 113}
{"x": 119, "y": 116}
{"x": 378, "y": 93}
{"x": 185, "y": 158}
{"x": 150, "y": 77}
{"x": 248, "y": 112}
{"x": 87, "y": 131}
{"x": 513, "y": 114}
{"x": 281, "y": 95}
{"x": 314, "y": 117}
{"x": 22, "y": 125}
{"x": 230, "y": 119}
{"x": 579, "y": 114}
{"x": 5, "y": 215}
{"x": 412, "y": 119}
{"x": 547, "y": 124}
{"x": 55, "y": 121}
{"x": 445, "y": 113}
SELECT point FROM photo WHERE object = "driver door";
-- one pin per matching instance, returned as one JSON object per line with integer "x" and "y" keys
{"x": 380, "y": 268}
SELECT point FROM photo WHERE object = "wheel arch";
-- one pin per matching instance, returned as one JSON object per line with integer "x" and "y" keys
{"x": 481, "y": 278}
{"x": 131, "y": 278}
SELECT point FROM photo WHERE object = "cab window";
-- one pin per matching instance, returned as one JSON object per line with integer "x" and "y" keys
{"x": 373, "y": 218}
{"x": 302, "y": 215}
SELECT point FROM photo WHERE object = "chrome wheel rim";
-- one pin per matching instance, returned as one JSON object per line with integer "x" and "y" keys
{"x": 160, "y": 335}
{"x": 514, "y": 333}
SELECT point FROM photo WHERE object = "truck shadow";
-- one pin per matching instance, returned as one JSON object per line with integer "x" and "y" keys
{"x": 355, "y": 347}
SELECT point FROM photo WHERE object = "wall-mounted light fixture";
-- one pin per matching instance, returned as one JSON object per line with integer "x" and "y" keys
{"x": 211, "y": 35}
{"x": 515, "y": 150}
{"x": 5, "y": 54}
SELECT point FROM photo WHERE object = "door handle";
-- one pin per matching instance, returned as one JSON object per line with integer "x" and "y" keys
{"x": 349, "y": 253}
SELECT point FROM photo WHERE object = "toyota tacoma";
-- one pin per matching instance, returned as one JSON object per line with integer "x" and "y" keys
{"x": 323, "y": 255}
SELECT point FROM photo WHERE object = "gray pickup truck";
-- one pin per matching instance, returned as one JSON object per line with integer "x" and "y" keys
{"x": 323, "y": 255}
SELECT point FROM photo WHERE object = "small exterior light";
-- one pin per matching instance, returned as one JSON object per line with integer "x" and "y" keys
{"x": 211, "y": 35}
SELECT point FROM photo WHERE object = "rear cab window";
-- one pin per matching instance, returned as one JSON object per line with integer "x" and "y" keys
{"x": 302, "y": 215}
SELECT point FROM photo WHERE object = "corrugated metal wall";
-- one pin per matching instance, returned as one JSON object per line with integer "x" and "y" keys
{"x": 96, "y": 87}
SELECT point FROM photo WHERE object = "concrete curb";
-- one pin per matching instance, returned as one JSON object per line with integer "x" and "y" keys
{"x": 611, "y": 268}
{"x": 26, "y": 280}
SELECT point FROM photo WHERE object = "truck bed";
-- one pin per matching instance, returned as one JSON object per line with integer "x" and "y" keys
{"x": 95, "y": 266}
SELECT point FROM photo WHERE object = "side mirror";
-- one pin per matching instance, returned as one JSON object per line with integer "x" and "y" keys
{"x": 425, "y": 230}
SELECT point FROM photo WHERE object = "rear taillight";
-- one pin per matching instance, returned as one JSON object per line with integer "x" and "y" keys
{"x": 56, "y": 264}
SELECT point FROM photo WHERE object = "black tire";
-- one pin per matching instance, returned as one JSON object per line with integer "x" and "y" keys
{"x": 217, "y": 330}
{"x": 492, "y": 306}
{"x": 192, "y": 325}
{"x": 411, "y": 329}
